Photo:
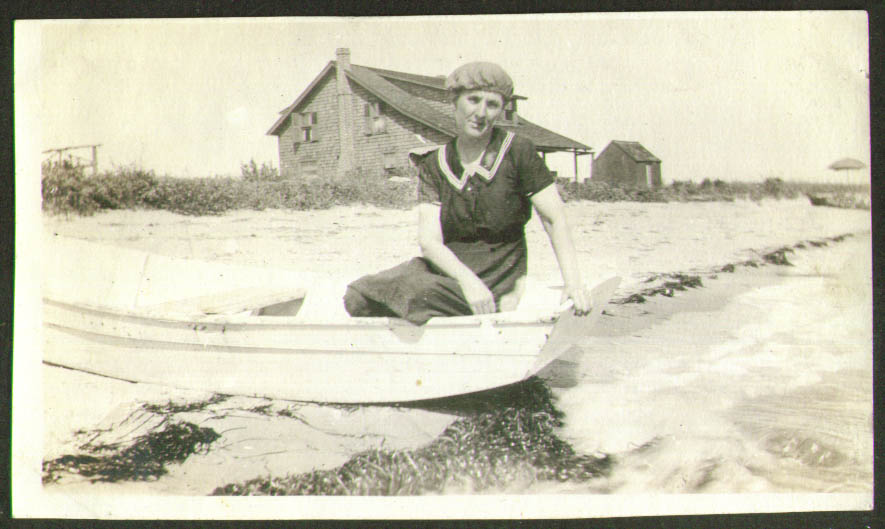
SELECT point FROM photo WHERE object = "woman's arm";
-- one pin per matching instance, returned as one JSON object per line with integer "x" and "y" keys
{"x": 552, "y": 212}
{"x": 430, "y": 239}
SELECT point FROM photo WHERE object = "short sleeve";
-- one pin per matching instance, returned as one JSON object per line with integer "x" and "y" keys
{"x": 531, "y": 169}
{"x": 428, "y": 184}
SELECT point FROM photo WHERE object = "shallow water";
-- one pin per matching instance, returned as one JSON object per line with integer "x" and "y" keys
{"x": 695, "y": 402}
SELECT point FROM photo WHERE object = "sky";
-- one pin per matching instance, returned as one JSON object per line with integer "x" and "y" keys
{"x": 734, "y": 96}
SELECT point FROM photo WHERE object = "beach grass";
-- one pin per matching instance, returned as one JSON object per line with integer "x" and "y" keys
{"x": 69, "y": 190}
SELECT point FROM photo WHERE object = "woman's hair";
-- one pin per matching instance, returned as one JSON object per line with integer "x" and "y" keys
{"x": 480, "y": 76}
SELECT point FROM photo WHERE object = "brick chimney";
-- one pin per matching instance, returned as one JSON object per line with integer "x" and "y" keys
{"x": 345, "y": 113}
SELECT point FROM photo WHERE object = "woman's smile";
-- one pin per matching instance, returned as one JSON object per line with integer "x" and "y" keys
{"x": 478, "y": 124}
{"x": 476, "y": 112}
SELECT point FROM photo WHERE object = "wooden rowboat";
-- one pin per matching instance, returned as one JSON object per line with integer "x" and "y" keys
{"x": 134, "y": 316}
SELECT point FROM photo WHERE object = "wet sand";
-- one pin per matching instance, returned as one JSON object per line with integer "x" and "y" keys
{"x": 759, "y": 381}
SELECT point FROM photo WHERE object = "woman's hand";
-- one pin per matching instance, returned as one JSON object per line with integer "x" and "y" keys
{"x": 478, "y": 296}
{"x": 510, "y": 300}
{"x": 430, "y": 238}
{"x": 580, "y": 296}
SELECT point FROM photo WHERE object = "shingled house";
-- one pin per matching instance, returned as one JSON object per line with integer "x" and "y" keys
{"x": 355, "y": 119}
{"x": 627, "y": 164}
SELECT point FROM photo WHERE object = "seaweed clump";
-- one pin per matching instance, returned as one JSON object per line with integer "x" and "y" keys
{"x": 494, "y": 447}
{"x": 171, "y": 408}
{"x": 144, "y": 459}
{"x": 778, "y": 257}
{"x": 671, "y": 284}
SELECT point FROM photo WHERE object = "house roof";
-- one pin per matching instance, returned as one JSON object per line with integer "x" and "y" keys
{"x": 289, "y": 109}
{"x": 374, "y": 80}
{"x": 438, "y": 81}
{"x": 635, "y": 151}
{"x": 401, "y": 100}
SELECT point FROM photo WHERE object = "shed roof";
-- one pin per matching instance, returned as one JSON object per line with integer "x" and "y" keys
{"x": 635, "y": 151}
{"x": 374, "y": 81}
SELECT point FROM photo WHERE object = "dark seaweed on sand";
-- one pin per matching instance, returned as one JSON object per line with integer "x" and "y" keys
{"x": 778, "y": 257}
{"x": 671, "y": 284}
{"x": 680, "y": 282}
{"x": 145, "y": 459}
{"x": 506, "y": 440}
{"x": 171, "y": 407}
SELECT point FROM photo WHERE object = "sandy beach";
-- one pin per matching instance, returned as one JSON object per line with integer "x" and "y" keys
{"x": 758, "y": 381}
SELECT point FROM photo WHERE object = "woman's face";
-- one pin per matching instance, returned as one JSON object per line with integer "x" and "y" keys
{"x": 476, "y": 112}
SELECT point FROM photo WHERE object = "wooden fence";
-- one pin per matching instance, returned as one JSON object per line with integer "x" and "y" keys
{"x": 59, "y": 152}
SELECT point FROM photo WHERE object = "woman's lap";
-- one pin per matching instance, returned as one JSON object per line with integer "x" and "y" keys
{"x": 411, "y": 291}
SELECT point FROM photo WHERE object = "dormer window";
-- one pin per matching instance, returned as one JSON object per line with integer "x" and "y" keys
{"x": 375, "y": 122}
{"x": 307, "y": 122}
{"x": 510, "y": 112}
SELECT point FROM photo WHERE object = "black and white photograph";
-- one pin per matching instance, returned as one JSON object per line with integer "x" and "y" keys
{"x": 488, "y": 266}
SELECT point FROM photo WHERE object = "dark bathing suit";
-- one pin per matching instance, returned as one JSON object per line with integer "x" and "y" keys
{"x": 483, "y": 213}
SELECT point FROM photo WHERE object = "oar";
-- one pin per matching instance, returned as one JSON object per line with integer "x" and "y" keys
{"x": 569, "y": 328}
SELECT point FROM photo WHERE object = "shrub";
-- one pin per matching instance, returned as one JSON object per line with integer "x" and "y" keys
{"x": 603, "y": 192}
{"x": 250, "y": 171}
{"x": 707, "y": 190}
{"x": 123, "y": 188}
{"x": 61, "y": 190}
{"x": 66, "y": 190}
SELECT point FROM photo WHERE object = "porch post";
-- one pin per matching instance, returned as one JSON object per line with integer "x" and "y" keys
{"x": 575, "y": 154}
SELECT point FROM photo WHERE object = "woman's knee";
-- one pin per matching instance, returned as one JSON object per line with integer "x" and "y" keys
{"x": 438, "y": 299}
{"x": 355, "y": 303}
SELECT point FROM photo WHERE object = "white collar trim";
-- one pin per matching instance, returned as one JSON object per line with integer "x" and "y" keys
{"x": 475, "y": 167}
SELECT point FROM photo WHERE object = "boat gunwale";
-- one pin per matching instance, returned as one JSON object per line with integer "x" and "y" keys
{"x": 154, "y": 344}
{"x": 546, "y": 319}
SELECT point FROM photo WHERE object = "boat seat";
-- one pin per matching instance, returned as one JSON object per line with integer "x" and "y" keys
{"x": 271, "y": 301}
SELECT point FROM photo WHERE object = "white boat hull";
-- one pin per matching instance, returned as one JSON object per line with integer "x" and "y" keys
{"x": 155, "y": 322}
{"x": 369, "y": 361}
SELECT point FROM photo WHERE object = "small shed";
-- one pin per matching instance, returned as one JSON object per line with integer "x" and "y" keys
{"x": 627, "y": 164}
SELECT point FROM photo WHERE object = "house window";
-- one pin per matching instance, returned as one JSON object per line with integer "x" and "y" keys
{"x": 307, "y": 122}
{"x": 510, "y": 112}
{"x": 375, "y": 122}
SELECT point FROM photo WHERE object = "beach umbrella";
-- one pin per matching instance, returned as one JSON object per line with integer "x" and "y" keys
{"x": 848, "y": 165}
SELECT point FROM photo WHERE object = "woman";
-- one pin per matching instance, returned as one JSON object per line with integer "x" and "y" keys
{"x": 475, "y": 194}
